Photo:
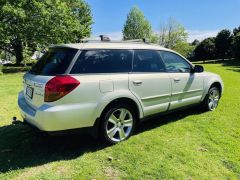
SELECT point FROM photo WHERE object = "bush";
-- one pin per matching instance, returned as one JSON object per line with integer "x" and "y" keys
{"x": 11, "y": 69}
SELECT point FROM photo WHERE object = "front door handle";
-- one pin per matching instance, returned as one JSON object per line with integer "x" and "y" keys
{"x": 137, "y": 82}
{"x": 176, "y": 80}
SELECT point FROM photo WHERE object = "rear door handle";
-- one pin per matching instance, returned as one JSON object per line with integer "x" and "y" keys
{"x": 137, "y": 82}
{"x": 176, "y": 79}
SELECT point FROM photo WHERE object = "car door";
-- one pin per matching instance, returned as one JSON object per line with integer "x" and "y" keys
{"x": 187, "y": 87}
{"x": 149, "y": 81}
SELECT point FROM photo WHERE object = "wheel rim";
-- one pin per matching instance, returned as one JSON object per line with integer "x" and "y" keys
{"x": 213, "y": 99}
{"x": 119, "y": 125}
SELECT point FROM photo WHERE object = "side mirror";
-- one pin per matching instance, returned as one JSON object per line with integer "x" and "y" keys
{"x": 198, "y": 69}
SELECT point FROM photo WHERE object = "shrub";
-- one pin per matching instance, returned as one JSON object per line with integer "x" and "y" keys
{"x": 11, "y": 69}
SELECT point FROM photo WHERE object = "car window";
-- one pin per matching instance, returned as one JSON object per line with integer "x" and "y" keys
{"x": 147, "y": 61}
{"x": 55, "y": 61}
{"x": 103, "y": 61}
{"x": 174, "y": 62}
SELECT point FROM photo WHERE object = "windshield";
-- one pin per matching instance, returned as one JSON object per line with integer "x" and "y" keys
{"x": 55, "y": 61}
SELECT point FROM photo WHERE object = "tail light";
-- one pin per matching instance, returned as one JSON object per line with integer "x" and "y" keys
{"x": 58, "y": 87}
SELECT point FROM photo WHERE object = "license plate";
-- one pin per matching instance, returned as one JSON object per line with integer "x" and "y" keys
{"x": 29, "y": 92}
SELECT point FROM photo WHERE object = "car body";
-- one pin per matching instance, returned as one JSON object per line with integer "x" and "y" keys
{"x": 136, "y": 79}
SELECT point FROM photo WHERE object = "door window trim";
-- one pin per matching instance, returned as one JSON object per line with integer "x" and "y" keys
{"x": 133, "y": 54}
{"x": 190, "y": 64}
{"x": 140, "y": 72}
{"x": 95, "y": 49}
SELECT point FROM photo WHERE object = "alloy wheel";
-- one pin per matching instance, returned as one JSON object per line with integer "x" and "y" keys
{"x": 119, "y": 125}
{"x": 213, "y": 99}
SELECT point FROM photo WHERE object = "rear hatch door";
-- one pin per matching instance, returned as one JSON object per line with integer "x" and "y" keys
{"x": 54, "y": 62}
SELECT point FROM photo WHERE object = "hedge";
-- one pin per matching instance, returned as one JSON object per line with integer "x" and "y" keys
{"x": 11, "y": 69}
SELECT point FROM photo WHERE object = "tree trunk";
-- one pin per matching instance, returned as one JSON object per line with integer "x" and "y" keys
{"x": 18, "y": 49}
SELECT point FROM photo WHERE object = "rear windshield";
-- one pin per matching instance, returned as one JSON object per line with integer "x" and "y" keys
{"x": 103, "y": 61}
{"x": 55, "y": 61}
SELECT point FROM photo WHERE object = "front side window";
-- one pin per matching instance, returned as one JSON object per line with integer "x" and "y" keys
{"x": 55, "y": 61}
{"x": 147, "y": 61}
{"x": 103, "y": 61}
{"x": 175, "y": 63}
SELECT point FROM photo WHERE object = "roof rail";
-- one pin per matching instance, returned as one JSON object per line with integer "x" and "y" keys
{"x": 144, "y": 40}
{"x": 103, "y": 38}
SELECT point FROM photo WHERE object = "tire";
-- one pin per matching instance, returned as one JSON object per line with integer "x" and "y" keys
{"x": 113, "y": 127}
{"x": 212, "y": 99}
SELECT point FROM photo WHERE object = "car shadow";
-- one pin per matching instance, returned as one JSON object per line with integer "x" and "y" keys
{"x": 160, "y": 120}
{"x": 21, "y": 146}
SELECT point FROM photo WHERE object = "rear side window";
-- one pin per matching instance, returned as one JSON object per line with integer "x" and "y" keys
{"x": 55, "y": 61}
{"x": 103, "y": 61}
{"x": 147, "y": 61}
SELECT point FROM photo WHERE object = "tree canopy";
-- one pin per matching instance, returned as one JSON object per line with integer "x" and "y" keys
{"x": 184, "y": 49}
{"x": 25, "y": 23}
{"x": 236, "y": 45}
{"x": 172, "y": 33}
{"x": 236, "y": 31}
{"x": 223, "y": 42}
{"x": 136, "y": 26}
{"x": 206, "y": 49}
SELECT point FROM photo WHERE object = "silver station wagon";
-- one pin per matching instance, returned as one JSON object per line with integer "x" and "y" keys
{"x": 108, "y": 87}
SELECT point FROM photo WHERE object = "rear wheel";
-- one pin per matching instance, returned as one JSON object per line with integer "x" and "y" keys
{"x": 118, "y": 123}
{"x": 212, "y": 99}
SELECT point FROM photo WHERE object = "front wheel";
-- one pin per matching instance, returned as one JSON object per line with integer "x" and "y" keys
{"x": 212, "y": 99}
{"x": 118, "y": 123}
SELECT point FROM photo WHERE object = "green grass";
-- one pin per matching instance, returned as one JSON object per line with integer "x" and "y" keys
{"x": 187, "y": 145}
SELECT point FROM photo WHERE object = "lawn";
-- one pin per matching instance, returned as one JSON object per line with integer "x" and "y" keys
{"x": 186, "y": 145}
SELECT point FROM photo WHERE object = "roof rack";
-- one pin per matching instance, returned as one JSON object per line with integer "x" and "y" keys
{"x": 105, "y": 38}
{"x": 144, "y": 40}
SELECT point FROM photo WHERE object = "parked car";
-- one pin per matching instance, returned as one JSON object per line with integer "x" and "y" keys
{"x": 109, "y": 87}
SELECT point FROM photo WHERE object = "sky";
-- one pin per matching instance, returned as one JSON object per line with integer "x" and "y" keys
{"x": 201, "y": 18}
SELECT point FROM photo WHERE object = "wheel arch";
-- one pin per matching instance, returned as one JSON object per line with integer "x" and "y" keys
{"x": 217, "y": 85}
{"x": 210, "y": 84}
{"x": 119, "y": 96}
{"x": 107, "y": 104}
{"x": 124, "y": 100}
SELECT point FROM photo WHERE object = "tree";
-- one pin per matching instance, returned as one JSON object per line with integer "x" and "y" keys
{"x": 223, "y": 42}
{"x": 184, "y": 49}
{"x": 205, "y": 50}
{"x": 154, "y": 38}
{"x": 236, "y": 45}
{"x": 32, "y": 23}
{"x": 136, "y": 26}
{"x": 195, "y": 42}
{"x": 236, "y": 31}
{"x": 172, "y": 33}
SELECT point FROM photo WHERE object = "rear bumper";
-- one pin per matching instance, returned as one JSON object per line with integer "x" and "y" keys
{"x": 57, "y": 118}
